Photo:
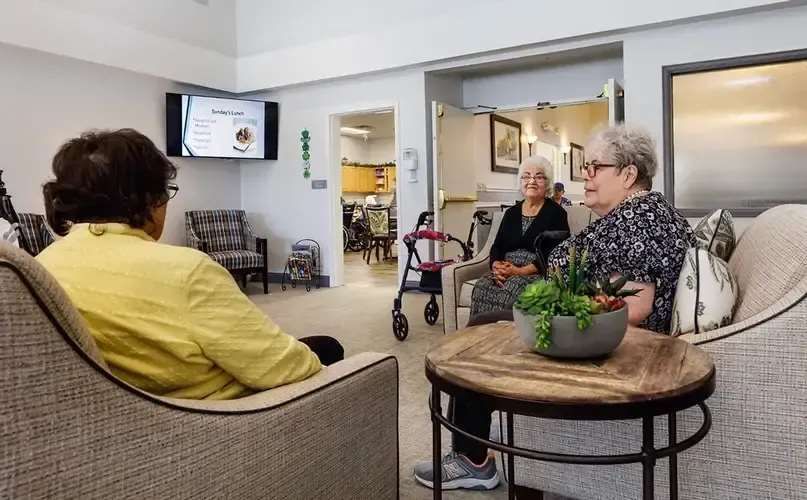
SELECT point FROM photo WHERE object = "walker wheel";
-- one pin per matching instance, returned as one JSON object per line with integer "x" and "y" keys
{"x": 400, "y": 325}
{"x": 432, "y": 311}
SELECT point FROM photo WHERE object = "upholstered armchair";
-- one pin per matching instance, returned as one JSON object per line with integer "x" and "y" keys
{"x": 757, "y": 447}
{"x": 227, "y": 237}
{"x": 35, "y": 232}
{"x": 459, "y": 279}
{"x": 71, "y": 429}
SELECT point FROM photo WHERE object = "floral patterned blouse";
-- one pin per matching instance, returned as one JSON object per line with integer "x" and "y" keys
{"x": 644, "y": 238}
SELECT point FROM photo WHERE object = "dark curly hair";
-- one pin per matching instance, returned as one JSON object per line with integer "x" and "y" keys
{"x": 107, "y": 176}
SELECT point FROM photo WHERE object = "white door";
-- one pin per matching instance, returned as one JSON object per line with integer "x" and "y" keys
{"x": 454, "y": 176}
{"x": 616, "y": 103}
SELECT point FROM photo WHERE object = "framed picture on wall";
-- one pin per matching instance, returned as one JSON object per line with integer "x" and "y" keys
{"x": 505, "y": 144}
{"x": 577, "y": 160}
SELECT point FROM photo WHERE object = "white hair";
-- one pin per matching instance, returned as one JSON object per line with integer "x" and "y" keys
{"x": 541, "y": 163}
{"x": 630, "y": 146}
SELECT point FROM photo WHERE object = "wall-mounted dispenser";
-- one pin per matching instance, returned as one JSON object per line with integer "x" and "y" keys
{"x": 409, "y": 161}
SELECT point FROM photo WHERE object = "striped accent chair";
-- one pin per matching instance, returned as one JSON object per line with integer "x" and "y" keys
{"x": 227, "y": 237}
{"x": 35, "y": 233}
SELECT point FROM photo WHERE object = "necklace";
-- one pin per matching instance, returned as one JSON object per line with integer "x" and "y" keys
{"x": 637, "y": 194}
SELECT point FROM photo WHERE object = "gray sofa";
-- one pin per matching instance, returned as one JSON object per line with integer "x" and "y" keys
{"x": 71, "y": 429}
{"x": 757, "y": 447}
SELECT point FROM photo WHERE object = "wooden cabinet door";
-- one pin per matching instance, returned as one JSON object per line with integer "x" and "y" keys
{"x": 368, "y": 177}
{"x": 390, "y": 174}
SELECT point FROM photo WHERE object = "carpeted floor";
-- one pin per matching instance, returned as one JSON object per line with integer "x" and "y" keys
{"x": 358, "y": 314}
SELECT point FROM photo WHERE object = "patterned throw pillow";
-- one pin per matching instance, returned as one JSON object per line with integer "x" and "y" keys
{"x": 715, "y": 233}
{"x": 706, "y": 295}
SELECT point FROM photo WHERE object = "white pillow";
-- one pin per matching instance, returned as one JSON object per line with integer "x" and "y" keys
{"x": 705, "y": 296}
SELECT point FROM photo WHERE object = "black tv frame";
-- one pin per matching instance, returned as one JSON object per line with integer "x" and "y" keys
{"x": 173, "y": 127}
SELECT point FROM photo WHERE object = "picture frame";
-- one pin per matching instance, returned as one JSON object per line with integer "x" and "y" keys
{"x": 577, "y": 158}
{"x": 505, "y": 144}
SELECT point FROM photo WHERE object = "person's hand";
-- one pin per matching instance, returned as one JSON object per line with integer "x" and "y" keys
{"x": 501, "y": 271}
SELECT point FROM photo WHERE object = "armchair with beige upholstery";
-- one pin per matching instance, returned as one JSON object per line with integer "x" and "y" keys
{"x": 459, "y": 279}
{"x": 71, "y": 429}
{"x": 757, "y": 447}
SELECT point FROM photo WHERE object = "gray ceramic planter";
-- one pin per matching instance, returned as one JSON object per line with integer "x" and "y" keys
{"x": 602, "y": 337}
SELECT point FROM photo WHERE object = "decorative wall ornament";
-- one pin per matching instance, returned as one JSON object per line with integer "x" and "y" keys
{"x": 305, "y": 139}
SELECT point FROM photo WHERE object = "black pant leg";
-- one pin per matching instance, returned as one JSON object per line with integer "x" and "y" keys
{"x": 327, "y": 349}
{"x": 473, "y": 416}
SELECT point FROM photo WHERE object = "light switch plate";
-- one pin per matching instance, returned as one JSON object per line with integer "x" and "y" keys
{"x": 319, "y": 184}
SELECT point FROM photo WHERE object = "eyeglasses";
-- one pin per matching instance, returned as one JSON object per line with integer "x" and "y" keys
{"x": 592, "y": 167}
{"x": 526, "y": 178}
{"x": 172, "y": 190}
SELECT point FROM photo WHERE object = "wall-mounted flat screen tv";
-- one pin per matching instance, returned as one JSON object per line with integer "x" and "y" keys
{"x": 215, "y": 127}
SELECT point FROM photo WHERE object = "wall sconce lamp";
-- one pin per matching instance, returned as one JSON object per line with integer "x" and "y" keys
{"x": 530, "y": 141}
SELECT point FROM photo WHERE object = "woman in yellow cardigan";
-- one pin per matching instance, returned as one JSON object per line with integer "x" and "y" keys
{"x": 167, "y": 319}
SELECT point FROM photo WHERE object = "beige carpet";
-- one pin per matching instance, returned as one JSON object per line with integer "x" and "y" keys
{"x": 358, "y": 314}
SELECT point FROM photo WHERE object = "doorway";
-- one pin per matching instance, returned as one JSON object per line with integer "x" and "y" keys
{"x": 468, "y": 177}
{"x": 364, "y": 150}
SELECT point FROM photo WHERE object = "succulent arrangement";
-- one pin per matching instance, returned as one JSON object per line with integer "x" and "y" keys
{"x": 573, "y": 294}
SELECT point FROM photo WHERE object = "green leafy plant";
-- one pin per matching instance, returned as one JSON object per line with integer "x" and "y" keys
{"x": 572, "y": 294}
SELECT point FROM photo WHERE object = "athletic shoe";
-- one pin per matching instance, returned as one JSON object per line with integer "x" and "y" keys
{"x": 459, "y": 472}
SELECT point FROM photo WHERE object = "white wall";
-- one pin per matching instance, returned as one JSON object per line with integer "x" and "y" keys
{"x": 180, "y": 40}
{"x": 48, "y": 99}
{"x": 647, "y": 51}
{"x": 355, "y": 149}
{"x": 281, "y": 202}
{"x": 578, "y": 79}
{"x": 373, "y": 151}
{"x": 381, "y": 150}
{"x": 377, "y": 35}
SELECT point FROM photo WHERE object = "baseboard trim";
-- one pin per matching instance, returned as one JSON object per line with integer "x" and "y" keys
{"x": 324, "y": 281}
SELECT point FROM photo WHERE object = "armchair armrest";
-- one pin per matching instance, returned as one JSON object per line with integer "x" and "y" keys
{"x": 250, "y": 239}
{"x": 278, "y": 396}
{"x": 452, "y": 278}
{"x": 194, "y": 241}
{"x": 303, "y": 440}
{"x": 795, "y": 297}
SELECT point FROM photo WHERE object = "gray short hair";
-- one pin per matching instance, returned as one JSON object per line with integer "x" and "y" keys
{"x": 539, "y": 162}
{"x": 630, "y": 146}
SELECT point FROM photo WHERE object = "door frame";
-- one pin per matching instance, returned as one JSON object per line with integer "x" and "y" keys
{"x": 337, "y": 277}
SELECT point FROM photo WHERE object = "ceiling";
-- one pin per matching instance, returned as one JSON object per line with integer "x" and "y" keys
{"x": 763, "y": 106}
{"x": 383, "y": 125}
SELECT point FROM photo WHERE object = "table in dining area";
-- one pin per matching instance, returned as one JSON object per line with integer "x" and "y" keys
{"x": 648, "y": 375}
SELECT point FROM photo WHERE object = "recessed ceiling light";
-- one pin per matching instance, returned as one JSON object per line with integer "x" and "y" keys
{"x": 748, "y": 81}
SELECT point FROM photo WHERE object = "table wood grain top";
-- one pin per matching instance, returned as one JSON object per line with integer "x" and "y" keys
{"x": 646, "y": 367}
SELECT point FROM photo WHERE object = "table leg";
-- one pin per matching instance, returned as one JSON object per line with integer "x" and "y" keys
{"x": 437, "y": 479}
{"x": 672, "y": 438}
{"x": 648, "y": 462}
{"x": 511, "y": 461}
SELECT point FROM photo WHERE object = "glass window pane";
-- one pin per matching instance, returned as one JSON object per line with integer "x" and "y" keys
{"x": 740, "y": 137}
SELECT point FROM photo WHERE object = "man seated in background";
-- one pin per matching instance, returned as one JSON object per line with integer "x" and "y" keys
{"x": 167, "y": 319}
{"x": 557, "y": 195}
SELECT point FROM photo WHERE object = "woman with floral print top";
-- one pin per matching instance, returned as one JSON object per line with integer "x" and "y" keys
{"x": 639, "y": 235}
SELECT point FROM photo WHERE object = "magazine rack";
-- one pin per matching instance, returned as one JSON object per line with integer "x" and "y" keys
{"x": 303, "y": 265}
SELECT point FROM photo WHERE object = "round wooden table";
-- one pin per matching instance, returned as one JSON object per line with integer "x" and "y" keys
{"x": 646, "y": 376}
